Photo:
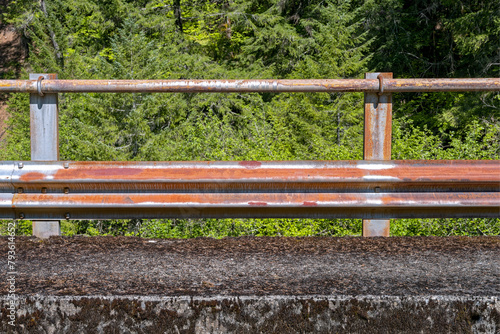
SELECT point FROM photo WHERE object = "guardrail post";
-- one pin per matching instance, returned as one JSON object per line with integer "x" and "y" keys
{"x": 377, "y": 141}
{"x": 44, "y": 140}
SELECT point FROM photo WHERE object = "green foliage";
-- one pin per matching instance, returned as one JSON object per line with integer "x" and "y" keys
{"x": 23, "y": 227}
{"x": 478, "y": 141}
{"x": 109, "y": 227}
{"x": 17, "y": 144}
{"x": 445, "y": 227}
{"x": 434, "y": 38}
{"x": 219, "y": 228}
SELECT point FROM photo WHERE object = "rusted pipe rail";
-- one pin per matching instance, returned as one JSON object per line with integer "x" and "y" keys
{"x": 320, "y": 189}
{"x": 228, "y": 86}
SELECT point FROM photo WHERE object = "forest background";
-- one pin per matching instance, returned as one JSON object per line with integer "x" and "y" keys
{"x": 257, "y": 39}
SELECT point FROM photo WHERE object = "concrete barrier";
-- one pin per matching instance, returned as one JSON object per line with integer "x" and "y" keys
{"x": 247, "y": 314}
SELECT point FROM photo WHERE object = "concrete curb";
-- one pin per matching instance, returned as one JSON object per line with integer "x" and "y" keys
{"x": 252, "y": 314}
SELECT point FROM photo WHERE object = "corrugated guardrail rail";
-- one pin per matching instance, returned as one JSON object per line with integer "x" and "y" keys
{"x": 374, "y": 189}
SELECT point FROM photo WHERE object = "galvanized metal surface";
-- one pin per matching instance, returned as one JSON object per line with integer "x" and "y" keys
{"x": 321, "y": 189}
{"x": 376, "y": 228}
{"x": 378, "y": 123}
{"x": 249, "y": 205}
{"x": 44, "y": 123}
{"x": 252, "y": 176}
{"x": 207, "y": 86}
{"x": 46, "y": 228}
{"x": 442, "y": 85}
{"x": 377, "y": 140}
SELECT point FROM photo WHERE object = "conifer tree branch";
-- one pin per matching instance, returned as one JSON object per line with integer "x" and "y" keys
{"x": 52, "y": 34}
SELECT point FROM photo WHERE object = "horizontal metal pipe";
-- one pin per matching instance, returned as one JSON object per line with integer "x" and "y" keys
{"x": 249, "y": 205}
{"x": 228, "y": 86}
{"x": 251, "y": 176}
{"x": 441, "y": 85}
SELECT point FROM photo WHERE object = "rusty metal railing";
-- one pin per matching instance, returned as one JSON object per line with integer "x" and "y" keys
{"x": 374, "y": 189}
{"x": 371, "y": 84}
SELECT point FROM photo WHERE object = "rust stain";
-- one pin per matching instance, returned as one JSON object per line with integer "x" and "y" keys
{"x": 399, "y": 172}
{"x": 250, "y": 164}
{"x": 110, "y": 172}
{"x": 378, "y": 123}
{"x": 32, "y": 176}
{"x": 345, "y": 85}
{"x": 307, "y": 203}
{"x": 127, "y": 199}
{"x": 376, "y": 228}
{"x": 353, "y": 200}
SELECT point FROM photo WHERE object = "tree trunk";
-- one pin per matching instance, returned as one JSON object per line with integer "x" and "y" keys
{"x": 177, "y": 13}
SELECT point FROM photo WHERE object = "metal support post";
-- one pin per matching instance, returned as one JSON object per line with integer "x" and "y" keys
{"x": 44, "y": 140}
{"x": 377, "y": 141}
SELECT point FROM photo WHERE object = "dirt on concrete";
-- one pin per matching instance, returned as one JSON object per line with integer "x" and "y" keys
{"x": 259, "y": 266}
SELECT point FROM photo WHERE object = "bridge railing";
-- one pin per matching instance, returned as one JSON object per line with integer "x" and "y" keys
{"x": 376, "y": 189}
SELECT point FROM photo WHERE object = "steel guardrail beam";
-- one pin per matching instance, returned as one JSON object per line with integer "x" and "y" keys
{"x": 245, "y": 189}
{"x": 249, "y": 205}
{"x": 252, "y": 176}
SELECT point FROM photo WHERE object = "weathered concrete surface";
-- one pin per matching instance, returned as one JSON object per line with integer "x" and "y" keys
{"x": 254, "y": 285}
{"x": 457, "y": 266}
{"x": 269, "y": 314}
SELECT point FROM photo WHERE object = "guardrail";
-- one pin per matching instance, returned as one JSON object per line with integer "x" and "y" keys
{"x": 374, "y": 189}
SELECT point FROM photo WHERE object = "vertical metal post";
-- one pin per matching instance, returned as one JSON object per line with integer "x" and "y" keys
{"x": 44, "y": 140}
{"x": 377, "y": 141}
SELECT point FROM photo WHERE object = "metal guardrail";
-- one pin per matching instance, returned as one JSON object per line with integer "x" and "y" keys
{"x": 319, "y": 189}
{"x": 374, "y": 189}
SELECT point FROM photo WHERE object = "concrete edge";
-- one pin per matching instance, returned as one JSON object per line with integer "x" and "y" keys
{"x": 250, "y": 314}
